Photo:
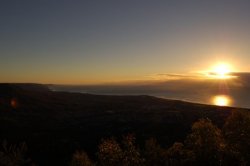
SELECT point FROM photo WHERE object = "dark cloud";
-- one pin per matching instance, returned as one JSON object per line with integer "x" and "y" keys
{"x": 243, "y": 78}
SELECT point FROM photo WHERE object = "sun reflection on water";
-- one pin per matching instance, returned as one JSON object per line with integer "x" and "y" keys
{"x": 222, "y": 100}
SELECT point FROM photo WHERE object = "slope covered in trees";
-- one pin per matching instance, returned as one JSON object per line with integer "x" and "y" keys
{"x": 56, "y": 124}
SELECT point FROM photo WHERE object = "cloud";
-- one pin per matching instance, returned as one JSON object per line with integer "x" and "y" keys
{"x": 171, "y": 76}
{"x": 243, "y": 78}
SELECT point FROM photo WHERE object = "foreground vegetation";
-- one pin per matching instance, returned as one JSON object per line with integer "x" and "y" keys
{"x": 205, "y": 145}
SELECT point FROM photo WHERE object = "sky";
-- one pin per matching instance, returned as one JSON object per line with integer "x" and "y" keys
{"x": 97, "y": 41}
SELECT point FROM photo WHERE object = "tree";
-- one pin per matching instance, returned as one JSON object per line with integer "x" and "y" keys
{"x": 80, "y": 158}
{"x": 206, "y": 142}
{"x": 237, "y": 135}
{"x": 154, "y": 154}
{"x": 131, "y": 154}
{"x": 110, "y": 153}
{"x": 179, "y": 155}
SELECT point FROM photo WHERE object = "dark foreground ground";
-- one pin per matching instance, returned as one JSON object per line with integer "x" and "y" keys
{"x": 55, "y": 124}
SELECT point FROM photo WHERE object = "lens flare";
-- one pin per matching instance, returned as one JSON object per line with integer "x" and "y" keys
{"x": 14, "y": 103}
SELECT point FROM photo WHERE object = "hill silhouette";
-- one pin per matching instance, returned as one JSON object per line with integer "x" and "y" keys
{"x": 55, "y": 124}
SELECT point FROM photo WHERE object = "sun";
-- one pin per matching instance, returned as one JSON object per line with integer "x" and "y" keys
{"x": 222, "y": 69}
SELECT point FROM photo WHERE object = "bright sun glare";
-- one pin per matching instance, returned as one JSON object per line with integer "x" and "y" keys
{"x": 221, "y": 71}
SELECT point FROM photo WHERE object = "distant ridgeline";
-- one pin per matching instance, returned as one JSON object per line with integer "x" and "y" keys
{"x": 15, "y": 87}
{"x": 55, "y": 124}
